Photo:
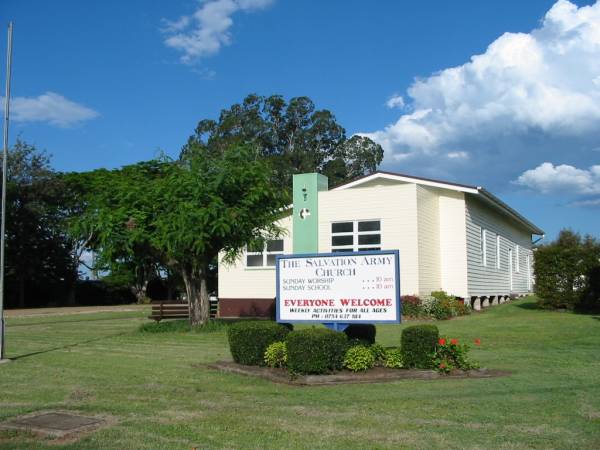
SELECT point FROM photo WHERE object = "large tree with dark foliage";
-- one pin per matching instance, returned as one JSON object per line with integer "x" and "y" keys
{"x": 294, "y": 136}
{"x": 183, "y": 213}
{"x": 567, "y": 272}
{"x": 39, "y": 266}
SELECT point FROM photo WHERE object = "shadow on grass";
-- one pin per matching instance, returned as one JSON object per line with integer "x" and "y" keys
{"x": 530, "y": 305}
{"x": 63, "y": 347}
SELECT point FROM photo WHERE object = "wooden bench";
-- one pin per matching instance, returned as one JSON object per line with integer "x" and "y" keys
{"x": 169, "y": 310}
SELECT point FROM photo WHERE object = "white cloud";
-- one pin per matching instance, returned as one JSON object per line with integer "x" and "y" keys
{"x": 548, "y": 179}
{"x": 204, "y": 32}
{"x": 50, "y": 107}
{"x": 526, "y": 99}
{"x": 395, "y": 101}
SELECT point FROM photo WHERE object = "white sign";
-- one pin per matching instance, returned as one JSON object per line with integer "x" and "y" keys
{"x": 360, "y": 287}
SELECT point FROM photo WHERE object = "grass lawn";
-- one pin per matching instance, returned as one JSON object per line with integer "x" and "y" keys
{"x": 99, "y": 364}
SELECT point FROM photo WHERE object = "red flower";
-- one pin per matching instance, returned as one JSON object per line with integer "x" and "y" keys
{"x": 442, "y": 365}
{"x": 477, "y": 341}
{"x": 442, "y": 341}
{"x": 454, "y": 341}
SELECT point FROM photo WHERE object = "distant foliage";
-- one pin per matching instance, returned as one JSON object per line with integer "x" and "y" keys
{"x": 418, "y": 343}
{"x": 316, "y": 350}
{"x": 248, "y": 340}
{"x": 439, "y": 305}
{"x": 567, "y": 272}
{"x": 359, "y": 358}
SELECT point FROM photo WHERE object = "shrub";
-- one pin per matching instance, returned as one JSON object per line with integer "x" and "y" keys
{"x": 418, "y": 344}
{"x": 411, "y": 306}
{"x": 393, "y": 358}
{"x": 359, "y": 358}
{"x": 276, "y": 355}
{"x": 450, "y": 354}
{"x": 378, "y": 353}
{"x": 442, "y": 306}
{"x": 316, "y": 350}
{"x": 363, "y": 332}
{"x": 249, "y": 340}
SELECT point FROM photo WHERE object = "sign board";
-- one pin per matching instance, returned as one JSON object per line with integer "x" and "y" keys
{"x": 344, "y": 287}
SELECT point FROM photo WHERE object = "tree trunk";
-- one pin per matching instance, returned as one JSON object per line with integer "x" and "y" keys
{"x": 197, "y": 295}
{"x": 139, "y": 290}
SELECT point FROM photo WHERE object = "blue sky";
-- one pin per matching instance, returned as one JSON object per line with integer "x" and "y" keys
{"x": 504, "y": 94}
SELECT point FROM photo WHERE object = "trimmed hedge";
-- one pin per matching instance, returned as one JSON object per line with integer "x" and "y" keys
{"x": 418, "y": 344}
{"x": 365, "y": 333}
{"x": 315, "y": 350}
{"x": 249, "y": 340}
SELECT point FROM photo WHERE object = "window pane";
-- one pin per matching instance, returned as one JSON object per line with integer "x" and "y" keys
{"x": 341, "y": 240}
{"x": 275, "y": 246}
{"x": 255, "y": 247}
{"x": 336, "y": 250}
{"x": 369, "y": 239}
{"x": 271, "y": 260}
{"x": 254, "y": 260}
{"x": 342, "y": 227}
{"x": 369, "y": 248}
{"x": 372, "y": 225}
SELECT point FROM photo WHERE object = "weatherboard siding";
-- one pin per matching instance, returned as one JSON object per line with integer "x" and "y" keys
{"x": 428, "y": 229}
{"x": 238, "y": 281}
{"x": 489, "y": 279}
{"x": 394, "y": 205}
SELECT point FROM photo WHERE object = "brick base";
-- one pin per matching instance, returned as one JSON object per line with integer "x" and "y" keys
{"x": 246, "y": 307}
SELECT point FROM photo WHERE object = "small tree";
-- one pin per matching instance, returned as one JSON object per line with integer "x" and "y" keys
{"x": 565, "y": 271}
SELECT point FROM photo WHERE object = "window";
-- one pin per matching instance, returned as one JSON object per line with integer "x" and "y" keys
{"x": 264, "y": 256}
{"x": 517, "y": 262}
{"x": 497, "y": 251}
{"x": 484, "y": 246}
{"x": 355, "y": 236}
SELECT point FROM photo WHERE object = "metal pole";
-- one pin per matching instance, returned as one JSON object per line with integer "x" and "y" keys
{"x": 4, "y": 170}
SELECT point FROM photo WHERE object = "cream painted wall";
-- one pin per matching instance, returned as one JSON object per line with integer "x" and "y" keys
{"x": 428, "y": 228}
{"x": 238, "y": 281}
{"x": 453, "y": 242}
{"x": 394, "y": 205}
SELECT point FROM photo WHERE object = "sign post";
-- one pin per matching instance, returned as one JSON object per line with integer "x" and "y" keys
{"x": 339, "y": 289}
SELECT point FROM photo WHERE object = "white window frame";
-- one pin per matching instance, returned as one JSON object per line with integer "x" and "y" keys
{"x": 483, "y": 238}
{"x": 355, "y": 247}
{"x": 265, "y": 254}
{"x": 498, "y": 245}
{"x": 517, "y": 259}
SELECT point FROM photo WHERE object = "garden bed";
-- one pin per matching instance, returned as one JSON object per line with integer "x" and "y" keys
{"x": 374, "y": 375}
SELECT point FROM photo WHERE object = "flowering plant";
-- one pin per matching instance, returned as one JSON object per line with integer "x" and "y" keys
{"x": 449, "y": 355}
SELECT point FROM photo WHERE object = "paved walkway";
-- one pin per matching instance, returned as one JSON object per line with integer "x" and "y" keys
{"x": 31, "y": 312}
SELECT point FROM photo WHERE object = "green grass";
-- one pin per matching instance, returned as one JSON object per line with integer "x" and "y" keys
{"x": 155, "y": 386}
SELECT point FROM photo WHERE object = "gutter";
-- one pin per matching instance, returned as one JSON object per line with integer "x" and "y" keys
{"x": 495, "y": 201}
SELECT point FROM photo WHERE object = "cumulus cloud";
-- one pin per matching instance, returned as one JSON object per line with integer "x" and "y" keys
{"x": 50, "y": 107}
{"x": 528, "y": 98}
{"x": 548, "y": 179}
{"x": 204, "y": 32}
{"x": 395, "y": 101}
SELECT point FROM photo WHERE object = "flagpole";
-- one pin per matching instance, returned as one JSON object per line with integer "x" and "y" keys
{"x": 4, "y": 171}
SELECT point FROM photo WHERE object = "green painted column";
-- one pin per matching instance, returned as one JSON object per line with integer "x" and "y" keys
{"x": 306, "y": 187}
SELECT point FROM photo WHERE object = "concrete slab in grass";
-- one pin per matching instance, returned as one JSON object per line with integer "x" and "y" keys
{"x": 56, "y": 424}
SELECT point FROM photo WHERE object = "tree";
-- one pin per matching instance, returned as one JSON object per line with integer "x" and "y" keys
{"x": 39, "y": 268}
{"x": 185, "y": 212}
{"x": 566, "y": 272}
{"x": 294, "y": 136}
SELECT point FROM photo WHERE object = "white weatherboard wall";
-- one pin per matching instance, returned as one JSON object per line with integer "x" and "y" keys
{"x": 394, "y": 205}
{"x": 486, "y": 280}
{"x": 238, "y": 281}
{"x": 453, "y": 243}
{"x": 428, "y": 229}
